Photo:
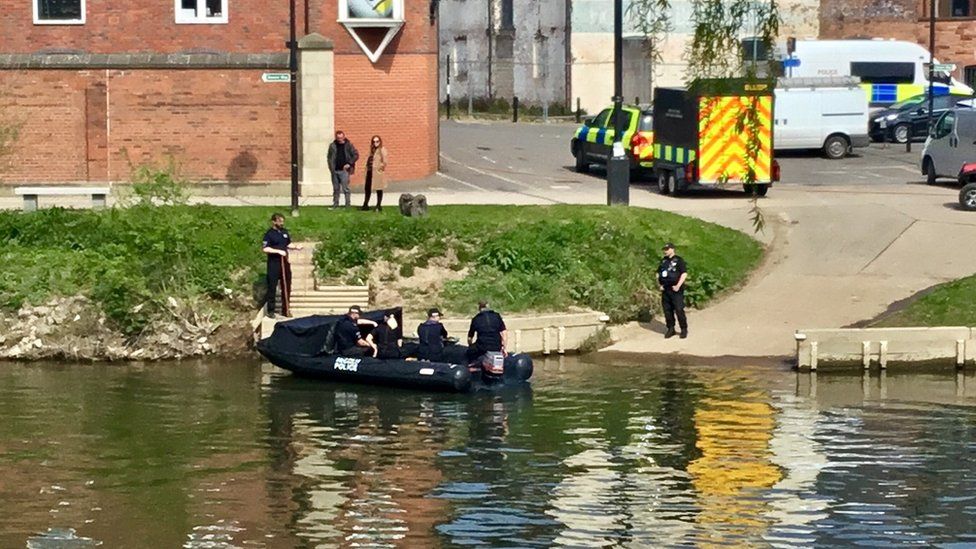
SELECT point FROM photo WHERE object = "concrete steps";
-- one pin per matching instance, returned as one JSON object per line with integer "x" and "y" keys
{"x": 310, "y": 298}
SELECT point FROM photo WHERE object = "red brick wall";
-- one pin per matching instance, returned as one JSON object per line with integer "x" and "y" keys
{"x": 374, "y": 100}
{"x": 146, "y": 26}
{"x": 223, "y": 125}
{"x": 79, "y": 122}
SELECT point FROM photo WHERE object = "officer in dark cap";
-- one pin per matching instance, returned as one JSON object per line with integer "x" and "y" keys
{"x": 432, "y": 334}
{"x": 349, "y": 341}
{"x": 671, "y": 276}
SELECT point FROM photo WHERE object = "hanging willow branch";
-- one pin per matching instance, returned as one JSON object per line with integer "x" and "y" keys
{"x": 715, "y": 52}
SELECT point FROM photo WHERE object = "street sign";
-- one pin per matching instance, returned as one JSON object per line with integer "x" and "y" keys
{"x": 276, "y": 77}
{"x": 791, "y": 62}
{"x": 943, "y": 67}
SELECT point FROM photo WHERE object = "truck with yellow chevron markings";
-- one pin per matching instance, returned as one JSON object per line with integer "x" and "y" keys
{"x": 715, "y": 133}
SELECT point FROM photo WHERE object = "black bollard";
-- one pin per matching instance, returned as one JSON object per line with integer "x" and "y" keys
{"x": 579, "y": 111}
{"x": 515, "y": 109}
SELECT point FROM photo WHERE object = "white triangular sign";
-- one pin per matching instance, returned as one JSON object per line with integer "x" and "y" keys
{"x": 374, "y": 55}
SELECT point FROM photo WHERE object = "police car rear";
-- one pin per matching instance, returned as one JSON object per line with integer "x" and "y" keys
{"x": 593, "y": 141}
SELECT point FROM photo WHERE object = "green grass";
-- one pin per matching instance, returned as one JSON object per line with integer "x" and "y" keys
{"x": 522, "y": 258}
{"x": 950, "y": 304}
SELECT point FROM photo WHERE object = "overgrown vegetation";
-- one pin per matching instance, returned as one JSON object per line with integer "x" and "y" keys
{"x": 950, "y": 304}
{"x": 544, "y": 258}
{"x": 522, "y": 258}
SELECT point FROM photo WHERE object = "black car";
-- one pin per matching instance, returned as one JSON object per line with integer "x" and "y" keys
{"x": 909, "y": 119}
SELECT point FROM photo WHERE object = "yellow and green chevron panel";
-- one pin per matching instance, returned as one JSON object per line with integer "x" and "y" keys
{"x": 723, "y": 150}
{"x": 670, "y": 153}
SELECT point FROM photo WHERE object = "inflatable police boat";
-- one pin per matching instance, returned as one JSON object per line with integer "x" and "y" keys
{"x": 303, "y": 346}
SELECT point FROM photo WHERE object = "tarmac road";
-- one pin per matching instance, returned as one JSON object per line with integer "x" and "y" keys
{"x": 531, "y": 159}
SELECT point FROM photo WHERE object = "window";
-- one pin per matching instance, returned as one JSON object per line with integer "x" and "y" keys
{"x": 949, "y": 8}
{"x": 540, "y": 57}
{"x": 508, "y": 15}
{"x": 884, "y": 73}
{"x": 970, "y": 76}
{"x": 601, "y": 119}
{"x": 944, "y": 126}
{"x": 201, "y": 11}
{"x": 646, "y": 123}
{"x": 59, "y": 12}
{"x": 459, "y": 59}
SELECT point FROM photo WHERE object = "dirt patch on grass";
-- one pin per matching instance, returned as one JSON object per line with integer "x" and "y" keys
{"x": 412, "y": 283}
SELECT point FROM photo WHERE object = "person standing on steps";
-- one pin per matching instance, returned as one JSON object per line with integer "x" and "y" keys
{"x": 342, "y": 163}
{"x": 275, "y": 246}
{"x": 376, "y": 172}
{"x": 671, "y": 276}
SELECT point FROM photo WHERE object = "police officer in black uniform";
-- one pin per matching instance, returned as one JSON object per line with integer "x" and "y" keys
{"x": 671, "y": 275}
{"x": 489, "y": 328}
{"x": 432, "y": 334}
{"x": 349, "y": 341}
{"x": 275, "y": 245}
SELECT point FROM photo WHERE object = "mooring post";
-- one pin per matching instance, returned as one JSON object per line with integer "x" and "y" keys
{"x": 960, "y": 353}
{"x": 518, "y": 341}
{"x": 866, "y": 354}
{"x": 561, "y": 340}
{"x": 546, "y": 347}
{"x": 813, "y": 355}
{"x": 883, "y": 355}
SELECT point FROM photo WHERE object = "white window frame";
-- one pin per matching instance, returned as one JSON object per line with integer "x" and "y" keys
{"x": 39, "y": 21}
{"x": 182, "y": 19}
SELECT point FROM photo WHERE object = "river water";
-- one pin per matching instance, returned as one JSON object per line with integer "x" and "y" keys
{"x": 212, "y": 455}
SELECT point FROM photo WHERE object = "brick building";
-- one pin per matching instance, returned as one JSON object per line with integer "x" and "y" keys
{"x": 955, "y": 26}
{"x": 101, "y": 86}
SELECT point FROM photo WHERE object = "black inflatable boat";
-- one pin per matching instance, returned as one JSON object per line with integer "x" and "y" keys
{"x": 302, "y": 346}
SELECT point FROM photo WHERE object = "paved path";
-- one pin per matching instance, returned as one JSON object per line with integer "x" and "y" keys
{"x": 846, "y": 238}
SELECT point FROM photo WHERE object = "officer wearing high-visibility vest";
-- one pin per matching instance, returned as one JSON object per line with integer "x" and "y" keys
{"x": 671, "y": 276}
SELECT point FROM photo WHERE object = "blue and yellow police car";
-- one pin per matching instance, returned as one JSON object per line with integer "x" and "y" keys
{"x": 593, "y": 141}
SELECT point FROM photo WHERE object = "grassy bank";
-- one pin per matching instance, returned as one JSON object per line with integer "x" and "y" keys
{"x": 522, "y": 258}
{"x": 950, "y": 304}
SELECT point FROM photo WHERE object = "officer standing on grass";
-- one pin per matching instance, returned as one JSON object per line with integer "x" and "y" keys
{"x": 275, "y": 246}
{"x": 671, "y": 275}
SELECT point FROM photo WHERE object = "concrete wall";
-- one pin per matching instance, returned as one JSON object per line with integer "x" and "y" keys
{"x": 883, "y": 346}
{"x": 592, "y": 49}
{"x": 527, "y": 60}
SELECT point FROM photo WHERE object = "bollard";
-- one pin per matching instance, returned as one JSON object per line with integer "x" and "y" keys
{"x": 545, "y": 112}
{"x": 579, "y": 111}
{"x": 515, "y": 109}
{"x": 546, "y": 346}
{"x": 561, "y": 340}
{"x": 637, "y": 100}
{"x": 470, "y": 106}
{"x": 908, "y": 144}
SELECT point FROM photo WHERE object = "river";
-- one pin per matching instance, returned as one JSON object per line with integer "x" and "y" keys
{"x": 221, "y": 454}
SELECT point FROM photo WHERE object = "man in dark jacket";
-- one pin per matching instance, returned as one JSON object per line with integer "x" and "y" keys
{"x": 671, "y": 276}
{"x": 487, "y": 333}
{"x": 349, "y": 340}
{"x": 342, "y": 163}
{"x": 431, "y": 334}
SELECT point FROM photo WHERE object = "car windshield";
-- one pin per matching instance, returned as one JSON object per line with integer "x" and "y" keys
{"x": 908, "y": 103}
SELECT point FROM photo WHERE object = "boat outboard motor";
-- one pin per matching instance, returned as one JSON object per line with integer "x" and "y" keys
{"x": 492, "y": 366}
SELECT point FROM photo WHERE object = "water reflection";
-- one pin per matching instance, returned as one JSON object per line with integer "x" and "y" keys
{"x": 230, "y": 455}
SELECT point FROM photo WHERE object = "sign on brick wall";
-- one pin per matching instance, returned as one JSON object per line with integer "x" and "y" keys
{"x": 381, "y": 19}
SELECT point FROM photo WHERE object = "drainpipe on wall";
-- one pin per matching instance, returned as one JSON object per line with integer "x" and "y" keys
{"x": 491, "y": 45}
{"x": 568, "y": 55}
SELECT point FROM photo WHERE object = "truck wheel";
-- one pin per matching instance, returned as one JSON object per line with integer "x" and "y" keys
{"x": 930, "y": 176}
{"x": 753, "y": 189}
{"x": 674, "y": 187}
{"x": 900, "y": 134}
{"x": 967, "y": 197}
{"x": 582, "y": 166}
{"x": 836, "y": 147}
{"x": 662, "y": 182}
